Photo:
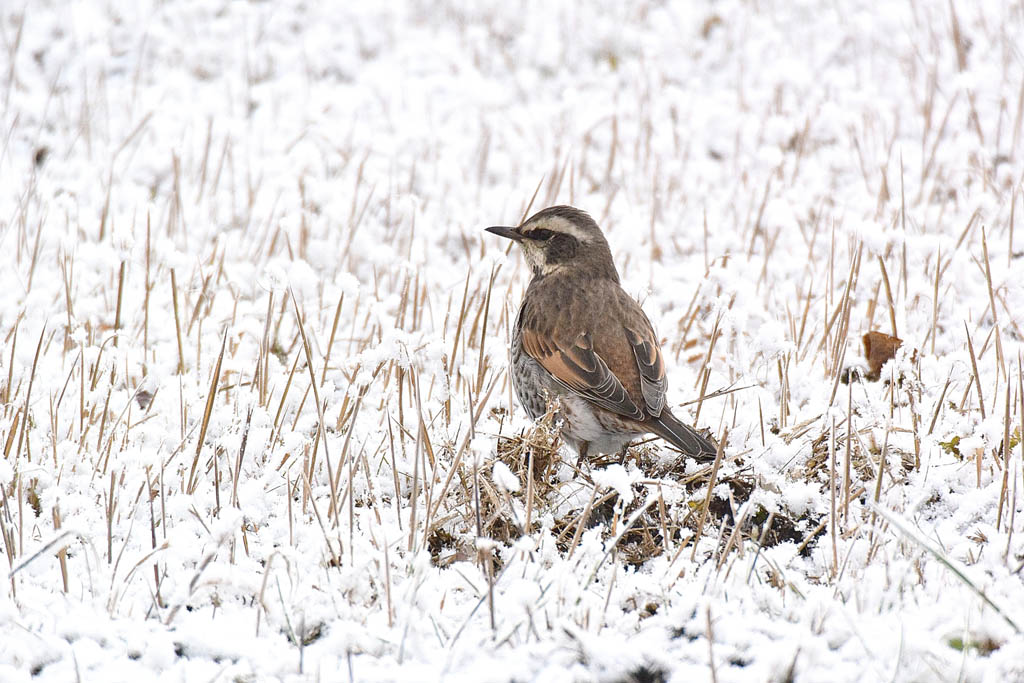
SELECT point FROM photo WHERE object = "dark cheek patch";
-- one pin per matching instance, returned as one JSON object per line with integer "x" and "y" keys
{"x": 563, "y": 247}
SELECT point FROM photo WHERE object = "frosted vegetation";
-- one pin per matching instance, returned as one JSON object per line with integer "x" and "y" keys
{"x": 255, "y": 419}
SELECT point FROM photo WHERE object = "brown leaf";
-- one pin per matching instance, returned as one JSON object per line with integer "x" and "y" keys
{"x": 878, "y": 348}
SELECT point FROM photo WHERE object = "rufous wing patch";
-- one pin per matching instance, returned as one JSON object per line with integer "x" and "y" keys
{"x": 576, "y": 366}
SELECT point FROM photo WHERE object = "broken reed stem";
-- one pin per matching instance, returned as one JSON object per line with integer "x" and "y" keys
{"x": 5, "y": 395}
{"x": 275, "y": 432}
{"x": 703, "y": 390}
{"x": 1006, "y": 457}
{"x": 888, "y": 296}
{"x": 148, "y": 286}
{"x": 210, "y": 398}
{"x": 935, "y": 300}
{"x": 707, "y": 356}
{"x": 342, "y": 459}
{"x": 1020, "y": 441}
{"x": 481, "y": 362}
{"x": 737, "y": 531}
{"x": 216, "y": 485}
{"x": 783, "y": 390}
{"x": 7, "y": 535}
{"x": 711, "y": 645}
{"x": 711, "y": 487}
{"x": 238, "y": 461}
{"x": 458, "y": 327}
{"x": 992, "y": 304}
{"x": 264, "y": 358}
{"x": 832, "y": 494}
{"x": 938, "y": 404}
{"x": 584, "y": 516}
{"x": 177, "y": 323}
{"x": 915, "y": 424}
{"x": 62, "y": 554}
{"x": 111, "y": 508}
{"x": 529, "y": 492}
{"x": 414, "y": 494}
{"x": 760, "y": 417}
{"x": 330, "y": 342}
{"x": 705, "y": 375}
{"x": 974, "y": 368}
{"x": 1013, "y": 198}
{"x": 120, "y": 296}
{"x": 848, "y": 455}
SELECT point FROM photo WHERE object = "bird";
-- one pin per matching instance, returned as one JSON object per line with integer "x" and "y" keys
{"x": 581, "y": 340}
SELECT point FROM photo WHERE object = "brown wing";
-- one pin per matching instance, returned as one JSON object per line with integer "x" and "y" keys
{"x": 575, "y": 365}
{"x": 650, "y": 363}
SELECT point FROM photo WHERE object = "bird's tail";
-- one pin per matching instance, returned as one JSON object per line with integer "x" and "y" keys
{"x": 682, "y": 436}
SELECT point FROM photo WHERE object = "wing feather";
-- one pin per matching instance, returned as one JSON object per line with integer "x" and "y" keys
{"x": 651, "y": 365}
{"x": 576, "y": 366}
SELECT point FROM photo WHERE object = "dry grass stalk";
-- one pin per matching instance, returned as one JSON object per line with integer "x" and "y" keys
{"x": 832, "y": 495}
{"x": 177, "y": 322}
{"x": 62, "y": 553}
{"x": 992, "y": 305}
{"x": 888, "y": 296}
{"x": 207, "y": 412}
{"x": 711, "y": 485}
{"x": 1005, "y": 463}
{"x": 974, "y": 370}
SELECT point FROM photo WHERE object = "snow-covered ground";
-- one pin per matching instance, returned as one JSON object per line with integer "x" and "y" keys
{"x": 294, "y": 193}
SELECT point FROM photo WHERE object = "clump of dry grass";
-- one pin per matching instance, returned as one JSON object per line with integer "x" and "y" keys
{"x": 533, "y": 456}
{"x": 864, "y": 455}
{"x": 503, "y": 516}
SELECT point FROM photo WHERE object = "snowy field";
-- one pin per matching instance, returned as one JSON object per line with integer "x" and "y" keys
{"x": 255, "y": 419}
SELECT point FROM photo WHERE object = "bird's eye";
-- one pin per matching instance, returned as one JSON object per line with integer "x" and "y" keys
{"x": 542, "y": 235}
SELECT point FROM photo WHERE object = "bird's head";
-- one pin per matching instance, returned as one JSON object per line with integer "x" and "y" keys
{"x": 562, "y": 237}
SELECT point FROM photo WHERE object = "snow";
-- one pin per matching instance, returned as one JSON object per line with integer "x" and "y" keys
{"x": 503, "y": 477}
{"x": 327, "y": 170}
{"x": 616, "y": 477}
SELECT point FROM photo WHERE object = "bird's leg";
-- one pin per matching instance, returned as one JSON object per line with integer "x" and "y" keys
{"x": 584, "y": 445}
{"x": 623, "y": 453}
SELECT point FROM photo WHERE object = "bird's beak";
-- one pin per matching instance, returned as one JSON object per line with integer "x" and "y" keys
{"x": 504, "y": 231}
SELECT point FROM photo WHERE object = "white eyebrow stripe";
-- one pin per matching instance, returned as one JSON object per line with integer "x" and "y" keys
{"x": 559, "y": 224}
